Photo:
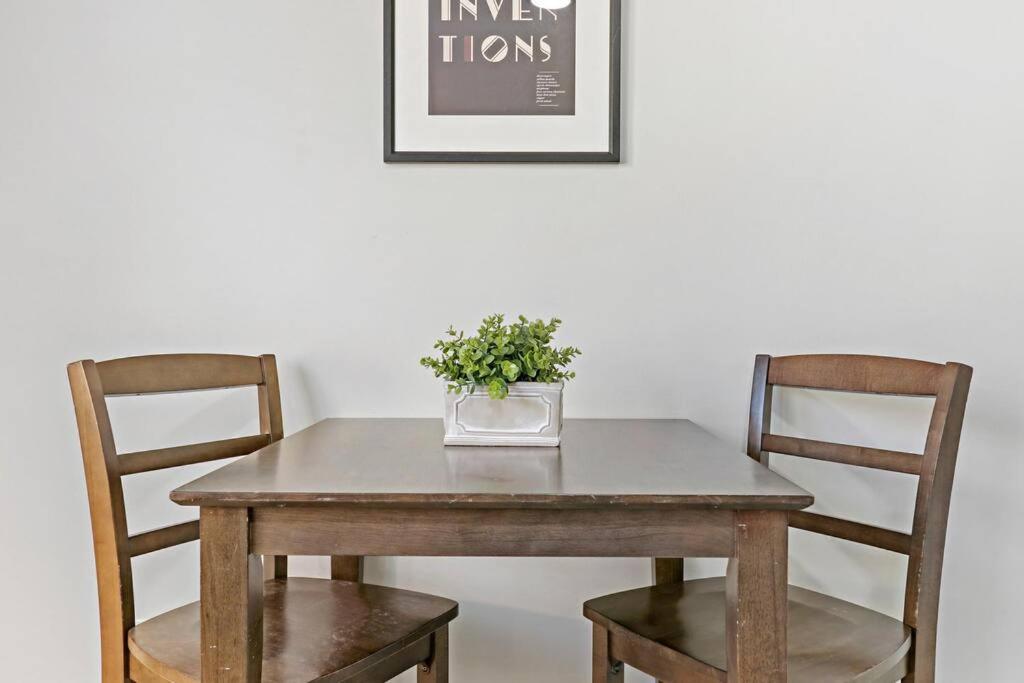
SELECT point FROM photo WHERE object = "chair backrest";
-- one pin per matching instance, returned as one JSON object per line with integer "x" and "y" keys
{"x": 91, "y": 383}
{"x": 949, "y": 385}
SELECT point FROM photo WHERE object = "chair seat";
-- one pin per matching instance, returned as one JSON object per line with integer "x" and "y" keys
{"x": 829, "y": 640}
{"x": 311, "y": 628}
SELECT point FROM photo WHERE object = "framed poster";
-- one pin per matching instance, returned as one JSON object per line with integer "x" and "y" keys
{"x": 501, "y": 80}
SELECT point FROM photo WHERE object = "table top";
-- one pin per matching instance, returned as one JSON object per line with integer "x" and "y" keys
{"x": 395, "y": 462}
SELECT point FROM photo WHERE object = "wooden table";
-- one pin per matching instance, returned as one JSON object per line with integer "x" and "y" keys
{"x": 615, "y": 488}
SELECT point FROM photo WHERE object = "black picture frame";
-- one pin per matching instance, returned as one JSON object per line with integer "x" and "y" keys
{"x": 391, "y": 155}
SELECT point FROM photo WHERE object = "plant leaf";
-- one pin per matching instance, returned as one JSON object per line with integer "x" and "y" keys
{"x": 499, "y": 354}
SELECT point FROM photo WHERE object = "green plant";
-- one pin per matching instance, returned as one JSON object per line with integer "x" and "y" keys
{"x": 500, "y": 354}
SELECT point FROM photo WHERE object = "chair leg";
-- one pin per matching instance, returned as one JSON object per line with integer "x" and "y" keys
{"x": 605, "y": 670}
{"x": 435, "y": 669}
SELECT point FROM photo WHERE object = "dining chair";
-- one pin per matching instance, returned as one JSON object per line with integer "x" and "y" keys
{"x": 677, "y": 631}
{"x": 337, "y": 629}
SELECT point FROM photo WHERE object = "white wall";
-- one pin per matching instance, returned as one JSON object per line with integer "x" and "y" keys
{"x": 800, "y": 175}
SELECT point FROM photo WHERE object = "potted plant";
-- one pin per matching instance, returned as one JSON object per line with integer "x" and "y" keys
{"x": 504, "y": 384}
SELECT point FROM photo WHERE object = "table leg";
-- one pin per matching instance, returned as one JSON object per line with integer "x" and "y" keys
{"x": 756, "y": 602}
{"x": 275, "y": 567}
{"x": 668, "y": 570}
{"x": 347, "y": 568}
{"x": 231, "y": 598}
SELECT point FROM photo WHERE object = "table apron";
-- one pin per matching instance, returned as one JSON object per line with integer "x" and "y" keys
{"x": 476, "y": 532}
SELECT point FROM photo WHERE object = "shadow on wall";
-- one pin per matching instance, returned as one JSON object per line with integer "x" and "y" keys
{"x": 301, "y": 403}
{"x": 524, "y": 636}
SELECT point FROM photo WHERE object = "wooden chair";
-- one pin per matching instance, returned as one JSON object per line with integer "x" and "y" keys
{"x": 676, "y": 631}
{"x": 313, "y": 629}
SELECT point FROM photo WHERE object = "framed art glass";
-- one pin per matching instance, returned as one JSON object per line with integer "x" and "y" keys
{"x": 502, "y": 80}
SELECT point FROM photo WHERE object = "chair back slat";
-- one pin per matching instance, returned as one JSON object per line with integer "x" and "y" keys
{"x": 887, "y": 539}
{"x": 949, "y": 384}
{"x": 858, "y": 374}
{"x": 178, "y": 372}
{"x": 861, "y": 456}
{"x": 164, "y": 537}
{"x": 177, "y": 456}
{"x": 91, "y": 383}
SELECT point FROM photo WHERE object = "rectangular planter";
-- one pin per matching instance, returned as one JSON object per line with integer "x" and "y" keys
{"x": 531, "y": 415}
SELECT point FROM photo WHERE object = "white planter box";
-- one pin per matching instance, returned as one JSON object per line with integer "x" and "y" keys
{"x": 531, "y": 415}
